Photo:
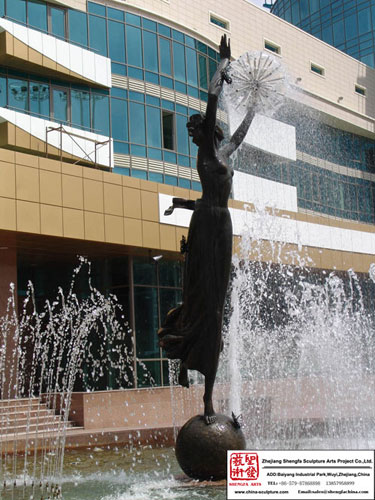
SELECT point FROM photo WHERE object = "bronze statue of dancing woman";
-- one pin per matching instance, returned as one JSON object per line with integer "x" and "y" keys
{"x": 192, "y": 331}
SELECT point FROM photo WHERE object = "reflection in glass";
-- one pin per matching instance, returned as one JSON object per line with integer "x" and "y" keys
{"x": 137, "y": 122}
{"x": 150, "y": 48}
{"x": 37, "y": 14}
{"x": 182, "y": 136}
{"x": 116, "y": 39}
{"x": 179, "y": 61}
{"x": 3, "y": 91}
{"x": 98, "y": 35}
{"x": 134, "y": 46}
{"x": 78, "y": 27}
{"x": 146, "y": 321}
{"x": 119, "y": 119}
{"x": 80, "y": 108}
{"x": 58, "y": 22}
{"x": 144, "y": 271}
{"x": 18, "y": 93}
{"x": 191, "y": 65}
{"x": 153, "y": 127}
{"x": 16, "y": 9}
{"x": 203, "y": 72}
{"x": 39, "y": 98}
{"x": 165, "y": 56}
{"x": 60, "y": 105}
{"x": 100, "y": 113}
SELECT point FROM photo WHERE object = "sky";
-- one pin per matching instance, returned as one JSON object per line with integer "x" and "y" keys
{"x": 257, "y": 2}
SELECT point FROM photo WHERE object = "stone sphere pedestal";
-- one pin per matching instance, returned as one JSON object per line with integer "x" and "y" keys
{"x": 201, "y": 449}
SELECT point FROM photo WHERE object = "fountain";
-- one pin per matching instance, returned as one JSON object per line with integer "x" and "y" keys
{"x": 298, "y": 364}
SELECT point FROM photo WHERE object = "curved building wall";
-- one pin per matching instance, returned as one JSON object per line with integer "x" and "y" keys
{"x": 347, "y": 25}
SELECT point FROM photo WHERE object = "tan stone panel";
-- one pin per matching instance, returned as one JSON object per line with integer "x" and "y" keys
{"x": 72, "y": 189}
{"x": 131, "y": 182}
{"x": 113, "y": 199}
{"x": 114, "y": 229}
{"x": 50, "y": 187}
{"x": 165, "y": 189}
{"x": 71, "y": 169}
{"x": 315, "y": 254}
{"x": 49, "y": 164}
{"x": 361, "y": 262}
{"x": 9, "y": 40}
{"x": 35, "y": 57}
{"x": 150, "y": 234}
{"x": 150, "y": 206}
{"x": 93, "y": 198}
{"x": 7, "y": 179}
{"x": 168, "y": 238}
{"x": 132, "y": 232}
{"x": 94, "y": 226}
{"x": 6, "y": 154}
{"x": 149, "y": 186}
{"x": 26, "y": 159}
{"x": 28, "y": 217}
{"x": 194, "y": 195}
{"x": 93, "y": 173}
{"x": 132, "y": 202}
{"x": 23, "y": 139}
{"x": 27, "y": 183}
{"x": 347, "y": 260}
{"x": 180, "y": 192}
{"x": 51, "y": 220}
{"x": 20, "y": 49}
{"x": 73, "y": 223}
{"x": 112, "y": 178}
{"x": 48, "y": 63}
{"x": 11, "y": 134}
{"x": 8, "y": 214}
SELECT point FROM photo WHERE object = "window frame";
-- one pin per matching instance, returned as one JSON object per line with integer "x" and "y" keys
{"x": 320, "y": 69}
{"x": 49, "y": 21}
{"x": 360, "y": 90}
{"x": 274, "y": 48}
{"x": 219, "y": 18}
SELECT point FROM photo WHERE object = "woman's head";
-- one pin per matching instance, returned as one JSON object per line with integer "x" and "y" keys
{"x": 196, "y": 131}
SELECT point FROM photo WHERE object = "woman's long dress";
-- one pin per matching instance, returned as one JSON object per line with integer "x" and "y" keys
{"x": 192, "y": 331}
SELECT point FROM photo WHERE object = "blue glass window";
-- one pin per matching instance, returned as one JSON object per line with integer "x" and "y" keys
{"x": 134, "y": 46}
{"x": 60, "y": 105}
{"x": 80, "y": 108}
{"x": 177, "y": 35}
{"x": 95, "y": 8}
{"x": 182, "y": 136}
{"x": 327, "y": 35}
{"x": 295, "y": 13}
{"x": 39, "y": 98}
{"x": 338, "y": 32}
{"x": 191, "y": 65}
{"x": 98, "y": 34}
{"x": 115, "y": 14}
{"x": 118, "y": 69}
{"x": 37, "y": 14}
{"x": 164, "y": 30}
{"x": 57, "y": 22}
{"x": 170, "y": 180}
{"x": 116, "y": 40}
{"x": 77, "y": 27}
{"x": 137, "y": 123}
{"x": 117, "y": 92}
{"x": 18, "y": 93}
{"x": 149, "y": 25}
{"x": 3, "y": 91}
{"x": 314, "y": 6}
{"x": 119, "y": 119}
{"x": 16, "y": 9}
{"x": 150, "y": 45}
{"x": 153, "y": 127}
{"x": 364, "y": 21}
{"x": 165, "y": 56}
{"x": 203, "y": 72}
{"x": 100, "y": 113}
{"x": 2, "y": 8}
{"x": 304, "y": 8}
{"x": 133, "y": 19}
{"x": 351, "y": 30}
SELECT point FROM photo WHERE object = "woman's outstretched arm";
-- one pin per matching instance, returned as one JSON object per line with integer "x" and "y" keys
{"x": 239, "y": 135}
{"x": 216, "y": 84}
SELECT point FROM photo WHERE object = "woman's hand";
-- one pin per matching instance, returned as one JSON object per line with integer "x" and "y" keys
{"x": 224, "y": 48}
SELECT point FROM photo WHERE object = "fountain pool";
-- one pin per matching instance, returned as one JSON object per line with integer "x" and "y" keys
{"x": 123, "y": 474}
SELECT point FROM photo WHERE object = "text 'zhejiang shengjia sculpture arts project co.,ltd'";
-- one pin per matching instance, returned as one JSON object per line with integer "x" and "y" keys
{"x": 192, "y": 332}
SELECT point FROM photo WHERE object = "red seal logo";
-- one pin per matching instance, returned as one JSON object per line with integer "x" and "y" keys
{"x": 244, "y": 466}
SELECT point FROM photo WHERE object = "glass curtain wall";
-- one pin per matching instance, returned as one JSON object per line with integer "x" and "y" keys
{"x": 145, "y": 289}
{"x": 348, "y": 25}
